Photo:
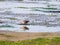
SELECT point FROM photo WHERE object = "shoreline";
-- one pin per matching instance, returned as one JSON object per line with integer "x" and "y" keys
{"x": 19, "y": 36}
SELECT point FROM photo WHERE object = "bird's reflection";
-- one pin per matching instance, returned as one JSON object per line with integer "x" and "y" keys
{"x": 24, "y": 28}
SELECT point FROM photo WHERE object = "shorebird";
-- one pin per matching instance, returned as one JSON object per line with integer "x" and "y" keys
{"x": 24, "y": 22}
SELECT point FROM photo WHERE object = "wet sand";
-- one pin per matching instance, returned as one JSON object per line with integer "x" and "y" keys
{"x": 18, "y": 36}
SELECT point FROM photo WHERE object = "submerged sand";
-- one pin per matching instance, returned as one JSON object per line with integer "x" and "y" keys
{"x": 18, "y": 36}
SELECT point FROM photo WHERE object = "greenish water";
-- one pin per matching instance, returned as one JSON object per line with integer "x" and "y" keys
{"x": 8, "y": 26}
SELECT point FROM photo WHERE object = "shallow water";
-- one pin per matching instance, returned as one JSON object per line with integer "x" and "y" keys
{"x": 39, "y": 21}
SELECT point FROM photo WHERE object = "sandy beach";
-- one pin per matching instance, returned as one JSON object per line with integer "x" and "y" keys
{"x": 18, "y": 36}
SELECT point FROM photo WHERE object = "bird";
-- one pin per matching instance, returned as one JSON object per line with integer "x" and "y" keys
{"x": 24, "y": 22}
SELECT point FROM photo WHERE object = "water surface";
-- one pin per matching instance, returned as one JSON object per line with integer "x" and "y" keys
{"x": 39, "y": 21}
